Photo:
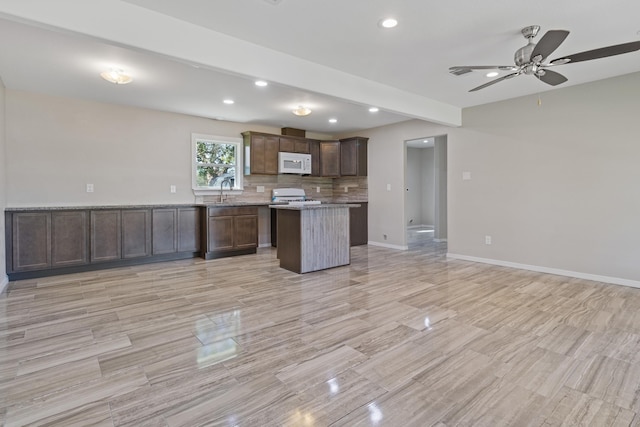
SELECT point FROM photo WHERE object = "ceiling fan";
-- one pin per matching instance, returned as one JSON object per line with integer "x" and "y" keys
{"x": 530, "y": 59}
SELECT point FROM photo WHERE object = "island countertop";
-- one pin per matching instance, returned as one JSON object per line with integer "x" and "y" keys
{"x": 320, "y": 206}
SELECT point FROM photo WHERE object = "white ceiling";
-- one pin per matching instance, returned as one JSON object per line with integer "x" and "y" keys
{"x": 188, "y": 56}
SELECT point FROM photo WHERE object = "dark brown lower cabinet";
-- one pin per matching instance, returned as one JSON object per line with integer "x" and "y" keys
{"x": 45, "y": 242}
{"x": 358, "y": 225}
{"x": 31, "y": 241}
{"x": 165, "y": 231}
{"x": 69, "y": 238}
{"x": 106, "y": 235}
{"x": 189, "y": 229}
{"x": 231, "y": 231}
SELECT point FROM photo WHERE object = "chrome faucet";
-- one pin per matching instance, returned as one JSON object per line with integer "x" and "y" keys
{"x": 228, "y": 181}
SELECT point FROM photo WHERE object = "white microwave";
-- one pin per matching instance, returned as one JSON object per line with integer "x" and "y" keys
{"x": 294, "y": 163}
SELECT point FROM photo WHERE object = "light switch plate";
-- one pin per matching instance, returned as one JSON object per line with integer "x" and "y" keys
{"x": 260, "y": 189}
{"x": 172, "y": 188}
{"x": 466, "y": 176}
{"x": 89, "y": 188}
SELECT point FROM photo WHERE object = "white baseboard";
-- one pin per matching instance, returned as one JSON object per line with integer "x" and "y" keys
{"x": 265, "y": 245}
{"x": 439, "y": 240}
{"x": 410, "y": 227}
{"x": 3, "y": 284}
{"x": 387, "y": 245}
{"x": 576, "y": 274}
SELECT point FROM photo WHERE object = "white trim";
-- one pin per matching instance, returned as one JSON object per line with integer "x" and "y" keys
{"x": 548, "y": 270}
{"x": 265, "y": 245}
{"x": 3, "y": 284}
{"x": 411, "y": 227}
{"x": 387, "y": 245}
{"x": 439, "y": 240}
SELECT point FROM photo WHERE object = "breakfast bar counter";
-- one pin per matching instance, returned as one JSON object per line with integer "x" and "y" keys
{"x": 313, "y": 237}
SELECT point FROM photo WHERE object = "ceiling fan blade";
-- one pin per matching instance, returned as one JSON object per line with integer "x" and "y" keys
{"x": 603, "y": 52}
{"x": 552, "y": 78}
{"x": 548, "y": 43}
{"x": 492, "y": 82}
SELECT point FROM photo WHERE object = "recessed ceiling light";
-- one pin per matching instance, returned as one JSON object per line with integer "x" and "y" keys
{"x": 426, "y": 141}
{"x": 117, "y": 76}
{"x": 492, "y": 74}
{"x": 229, "y": 101}
{"x": 333, "y": 120}
{"x": 301, "y": 110}
{"x": 388, "y": 23}
{"x": 374, "y": 109}
{"x": 261, "y": 83}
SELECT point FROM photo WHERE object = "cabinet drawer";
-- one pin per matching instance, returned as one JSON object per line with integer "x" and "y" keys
{"x": 232, "y": 211}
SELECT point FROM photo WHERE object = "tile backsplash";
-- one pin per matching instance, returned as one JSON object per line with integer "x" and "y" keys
{"x": 331, "y": 189}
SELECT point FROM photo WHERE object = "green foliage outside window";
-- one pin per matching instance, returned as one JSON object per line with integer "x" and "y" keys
{"x": 215, "y": 163}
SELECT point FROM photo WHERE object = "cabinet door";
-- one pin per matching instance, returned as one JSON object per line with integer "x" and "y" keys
{"x": 164, "y": 231}
{"x": 287, "y": 145}
{"x": 353, "y": 156}
{"x": 314, "y": 150}
{"x": 220, "y": 236}
{"x": 69, "y": 238}
{"x": 246, "y": 231}
{"x": 136, "y": 233}
{"x": 358, "y": 225}
{"x": 188, "y": 229}
{"x": 105, "y": 235}
{"x": 31, "y": 241}
{"x": 348, "y": 158}
{"x": 330, "y": 158}
{"x": 302, "y": 146}
{"x": 264, "y": 154}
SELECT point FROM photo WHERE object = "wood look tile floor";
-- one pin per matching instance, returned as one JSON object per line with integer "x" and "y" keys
{"x": 398, "y": 338}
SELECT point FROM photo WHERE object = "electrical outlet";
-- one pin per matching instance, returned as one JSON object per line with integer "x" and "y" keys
{"x": 172, "y": 189}
{"x": 89, "y": 188}
{"x": 317, "y": 189}
{"x": 466, "y": 176}
{"x": 388, "y": 187}
{"x": 260, "y": 189}
{"x": 346, "y": 189}
{"x": 487, "y": 240}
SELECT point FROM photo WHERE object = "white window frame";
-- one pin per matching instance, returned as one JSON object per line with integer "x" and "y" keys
{"x": 238, "y": 182}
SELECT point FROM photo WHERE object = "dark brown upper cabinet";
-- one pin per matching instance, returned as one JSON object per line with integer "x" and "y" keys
{"x": 353, "y": 156}
{"x": 263, "y": 153}
{"x": 330, "y": 158}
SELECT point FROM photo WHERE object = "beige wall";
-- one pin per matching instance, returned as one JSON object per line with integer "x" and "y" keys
{"x": 131, "y": 155}
{"x": 555, "y": 185}
{"x": 3, "y": 168}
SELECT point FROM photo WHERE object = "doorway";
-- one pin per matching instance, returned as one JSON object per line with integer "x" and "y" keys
{"x": 425, "y": 199}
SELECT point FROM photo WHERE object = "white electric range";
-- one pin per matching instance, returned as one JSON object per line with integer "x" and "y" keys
{"x": 293, "y": 196}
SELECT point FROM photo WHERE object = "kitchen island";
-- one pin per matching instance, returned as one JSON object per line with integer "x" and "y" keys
{"x": 313, "y": 237}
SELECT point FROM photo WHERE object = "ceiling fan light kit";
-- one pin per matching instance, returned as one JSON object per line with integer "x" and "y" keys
{"x": 530, "y": 59}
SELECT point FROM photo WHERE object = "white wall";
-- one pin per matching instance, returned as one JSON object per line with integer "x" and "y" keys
{"x": 3, "y": 203}
{"x": 555, "y": 185}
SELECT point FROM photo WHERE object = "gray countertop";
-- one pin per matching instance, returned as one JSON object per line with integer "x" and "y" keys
{"x": 350, "y": 204}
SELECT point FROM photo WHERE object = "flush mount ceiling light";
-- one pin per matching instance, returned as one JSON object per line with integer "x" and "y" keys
{"x": 374, "y": 109}
{"x": 117, "y": 76}
{"x": 388, "y": 22}
{"x": 333, "y": 120}
{"x": 229, "y": 101}
{"x": 261, "y": 83}
{"x": 301, "y": 110}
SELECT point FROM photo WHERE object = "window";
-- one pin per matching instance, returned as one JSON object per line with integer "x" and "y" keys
{"x": 217, "y": 163}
